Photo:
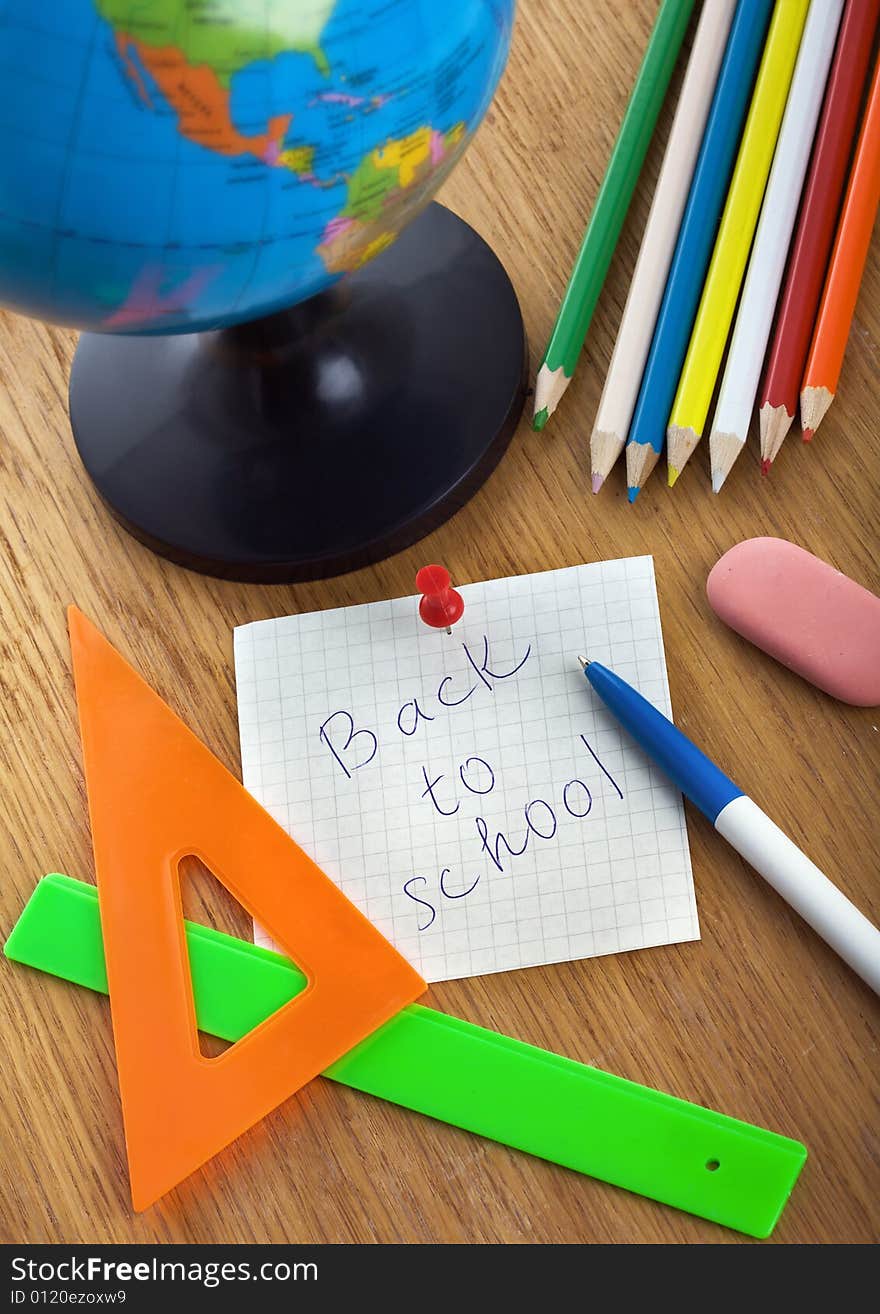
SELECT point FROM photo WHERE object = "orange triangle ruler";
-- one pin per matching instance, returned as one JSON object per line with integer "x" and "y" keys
{"x": 156, "y": 794}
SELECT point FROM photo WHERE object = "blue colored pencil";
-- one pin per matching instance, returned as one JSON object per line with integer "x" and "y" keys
{"x": 694, "y": 246}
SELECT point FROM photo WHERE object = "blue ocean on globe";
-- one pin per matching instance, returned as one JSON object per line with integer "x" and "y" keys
{"x": 178, "y": 165}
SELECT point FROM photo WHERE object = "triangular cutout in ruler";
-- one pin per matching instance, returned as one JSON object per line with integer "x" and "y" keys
{"x": 155, "y": 794}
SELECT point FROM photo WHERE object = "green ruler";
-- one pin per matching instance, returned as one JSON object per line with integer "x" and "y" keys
{"x": 549, "y": 1106}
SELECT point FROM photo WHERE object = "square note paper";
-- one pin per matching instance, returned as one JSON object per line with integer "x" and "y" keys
{"x": 469, "y": 792}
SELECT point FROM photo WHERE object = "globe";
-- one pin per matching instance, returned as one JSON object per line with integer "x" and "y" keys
{"x": 172, "y": 165}
{"x": 294, "y": 361}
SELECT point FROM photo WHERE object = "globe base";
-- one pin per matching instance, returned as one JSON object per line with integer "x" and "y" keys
{"x": 321, "y": 438}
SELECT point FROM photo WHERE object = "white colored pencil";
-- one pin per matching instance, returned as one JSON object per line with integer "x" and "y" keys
{"x": 767, "y": 264}
{"x": 658, "y": 243}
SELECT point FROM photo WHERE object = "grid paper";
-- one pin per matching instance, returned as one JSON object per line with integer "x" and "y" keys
{"x": 470, "y": 793}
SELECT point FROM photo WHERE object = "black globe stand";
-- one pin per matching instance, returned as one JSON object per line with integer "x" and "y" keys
{"x": 321, "y": 438}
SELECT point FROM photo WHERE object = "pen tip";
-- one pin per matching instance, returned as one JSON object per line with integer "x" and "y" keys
{"x": 583, "y": 663}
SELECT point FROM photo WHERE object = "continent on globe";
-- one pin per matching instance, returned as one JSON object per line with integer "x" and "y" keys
{"x": 200, "y": 99}
{"x": 385, "y": 188}
{"x": 225, "y": 35}
{"x": 150, "y": 297}
{"x": 192, "y": 49}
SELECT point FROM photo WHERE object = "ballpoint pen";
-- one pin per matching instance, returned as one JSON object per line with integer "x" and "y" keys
{"x": 742, "y": 823}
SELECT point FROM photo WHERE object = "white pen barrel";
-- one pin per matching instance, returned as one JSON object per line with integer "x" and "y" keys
{"x": 800, "y": 882}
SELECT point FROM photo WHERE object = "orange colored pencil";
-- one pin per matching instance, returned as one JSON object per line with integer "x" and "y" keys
{"x": 845, "y": 271}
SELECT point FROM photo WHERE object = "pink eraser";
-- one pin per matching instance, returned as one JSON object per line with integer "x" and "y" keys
{"x": 804, "y": 613}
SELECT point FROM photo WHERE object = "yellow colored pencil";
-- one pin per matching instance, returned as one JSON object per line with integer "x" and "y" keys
{"x": 737, "y": 228}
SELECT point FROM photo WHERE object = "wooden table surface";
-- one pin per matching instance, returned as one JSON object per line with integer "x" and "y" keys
{"x": 759, "y": 1019}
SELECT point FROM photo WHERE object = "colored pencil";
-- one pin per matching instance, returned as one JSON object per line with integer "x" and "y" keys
{"x": 815, "y": 231}
{"x": 845, "y": 271}
{"x": 735, "y": 233}
{"x": 634, "y": 336}
{"x": 754, "y": 318}
{"x": 609, "y": 212}
{"x": 694, "y": 246}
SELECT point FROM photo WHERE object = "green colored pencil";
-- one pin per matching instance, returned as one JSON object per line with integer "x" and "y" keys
{"x": 612, "y": 203}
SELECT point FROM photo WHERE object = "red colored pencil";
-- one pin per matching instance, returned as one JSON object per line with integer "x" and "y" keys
{"x": 815, "y": 229}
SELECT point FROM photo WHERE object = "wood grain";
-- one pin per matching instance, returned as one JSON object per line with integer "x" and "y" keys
{"x": 760, "y": 1019}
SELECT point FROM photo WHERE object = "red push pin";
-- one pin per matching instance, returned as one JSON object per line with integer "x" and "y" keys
{"x": 440, "y": 606}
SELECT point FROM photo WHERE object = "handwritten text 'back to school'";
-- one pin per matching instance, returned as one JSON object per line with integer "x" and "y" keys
{"x": 356, "y": 747}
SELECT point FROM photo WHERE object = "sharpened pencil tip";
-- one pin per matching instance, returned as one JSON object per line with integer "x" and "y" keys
{"x": 765, "y": 466}
{"x": 671, "y": 475}
{"x": 583, "y": 663}
{"x": 632, "y": 494}
{"x": 540, "y": 418}
{"x": 717, "y": 483}
{"x": 814, "y": 407}
{"x": 808, "y": 435}
{"x": 598, "y": 481}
